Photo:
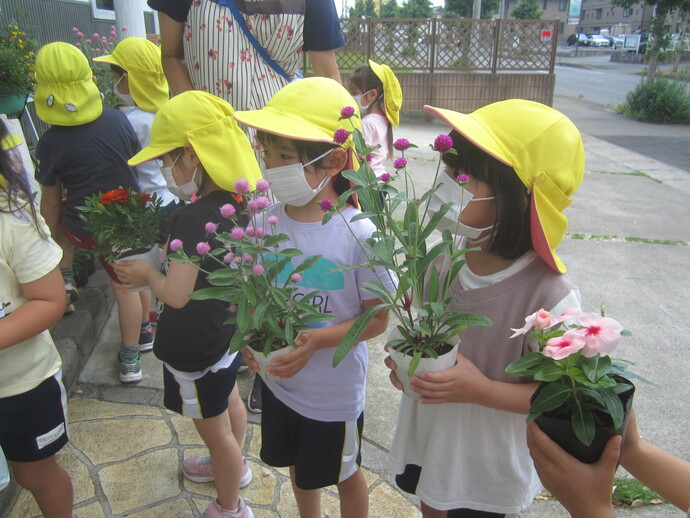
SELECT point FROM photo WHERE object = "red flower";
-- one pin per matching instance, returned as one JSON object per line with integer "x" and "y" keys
{"x": 143, "y": 199}
{"x": 115, "y": 196}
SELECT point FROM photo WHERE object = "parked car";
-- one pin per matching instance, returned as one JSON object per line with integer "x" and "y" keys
{"x": 578, "y": 38}
{"x": 618, "y": 41}
{"x": 595, "y": 40}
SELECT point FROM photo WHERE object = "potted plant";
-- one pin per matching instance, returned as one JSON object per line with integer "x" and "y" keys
{"x": 17, "y": 58}
{"x": 425, "y": 337}
{"x": 124, "y": 224}
{"x": 258, "y": 281}
{"x": 582, "y": 391}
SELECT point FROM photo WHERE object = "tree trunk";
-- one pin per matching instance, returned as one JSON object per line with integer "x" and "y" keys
{"x": 656, "y": 44}
{"x": 681, "y": 41}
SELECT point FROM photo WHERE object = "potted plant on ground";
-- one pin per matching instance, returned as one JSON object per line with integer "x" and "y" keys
{"x": 425, "y": 337}
{"x": 259, "y": 280}
{"x": 124, "y": 224}
{"x": 17, "y": 58}
{"x": 582, "y": 389}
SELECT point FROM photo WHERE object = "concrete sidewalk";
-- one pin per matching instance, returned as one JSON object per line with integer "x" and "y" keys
{"x": 627, "y": 246}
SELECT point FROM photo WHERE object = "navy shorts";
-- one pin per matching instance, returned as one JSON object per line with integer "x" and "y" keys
{"x": 33, "y": 425}
{"x": 323, "y": 453}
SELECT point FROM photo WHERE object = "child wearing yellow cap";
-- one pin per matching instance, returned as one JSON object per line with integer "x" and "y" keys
{"x": 312, "y": 417}
{"x": 140, "y": 83}
{"x": 379, "y": 97}
{"x": 461, "y": 447}
{"x": 204, "y": 152}
{"x": 32, "y": 299}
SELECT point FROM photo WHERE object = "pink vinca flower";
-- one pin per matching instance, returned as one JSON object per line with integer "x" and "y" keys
{"x": 241, "y": 186}
{"x": 203, "y": 248}
{"x": 541, "y": 319}
{"x": 211, "y": 227}
{"x": 443, "y": 143}
{"x": 601, "y": 334}
{"x": 563, "y": 346}
{"x": 401, "y": 144}
{"x": 262, "y": 185}
{"x": 400, "y": 163}
{"x": 347, "y": 112}
{"x": 227, "y": 210}
{"x": 340, "y": 136}
{"x": 175, "y": 245}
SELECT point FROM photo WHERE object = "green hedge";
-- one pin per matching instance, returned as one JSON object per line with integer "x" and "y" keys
{"x": 658, "y": 100}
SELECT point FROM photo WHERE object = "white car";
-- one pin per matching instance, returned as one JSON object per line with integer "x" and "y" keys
{"x": 595, "y": 40}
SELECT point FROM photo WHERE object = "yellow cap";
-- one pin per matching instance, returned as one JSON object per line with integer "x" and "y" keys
{"x": 65, "y": 93}
{"x": 543, "y": 147}
{"x": 10, "y": 141}
{"x": 141, "y": 59}
{"x": 392, "y": 93}
{"x": 205, "y": 121}
{"x": 306, "y": 109}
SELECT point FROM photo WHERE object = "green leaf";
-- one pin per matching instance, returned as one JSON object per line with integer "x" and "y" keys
{"x": 433, "y": 284}
{"x": 596, "y": 367}
{"x": 378, "y": 289}
{"x": 550, "y": 372}
{"x": 416, "y": 358}
{"x": 222, "y": 294}
{"x": 526, "y": 365}
{"x": 613, "y": 406}
{"x": 552, "y": 396}
{"x": 583, "y": 423}
{"x": 355, "y": 331}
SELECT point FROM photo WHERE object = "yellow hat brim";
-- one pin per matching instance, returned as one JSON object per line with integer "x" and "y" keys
{"x": 392, "y": 93}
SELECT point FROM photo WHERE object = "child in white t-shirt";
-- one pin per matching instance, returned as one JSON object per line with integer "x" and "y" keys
{"x": 312, "y": 418}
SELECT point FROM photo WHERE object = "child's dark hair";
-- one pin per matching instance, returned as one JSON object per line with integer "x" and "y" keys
{"x": 17, "y": 189}
{"x": 511, "y": 237}
{"x": 117, "y": 69}
{"x": 364, "y": 79}
{"x": 308, "y": 151}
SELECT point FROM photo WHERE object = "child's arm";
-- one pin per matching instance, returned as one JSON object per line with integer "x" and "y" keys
{"x": 51, "y": 200}
{"x": 44, "y": 306}
{"x": 465, "y": 383}
{"x": 324, "y": 64}
{"x": 172, "y": 54}
{"x": 324, "y": 337}
{"x": 173, "y": 289}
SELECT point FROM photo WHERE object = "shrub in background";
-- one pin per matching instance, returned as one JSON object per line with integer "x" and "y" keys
{"x": 658, "y": 100}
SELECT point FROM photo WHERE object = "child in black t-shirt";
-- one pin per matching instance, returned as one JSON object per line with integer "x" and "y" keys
{"x": 203, "y": 152}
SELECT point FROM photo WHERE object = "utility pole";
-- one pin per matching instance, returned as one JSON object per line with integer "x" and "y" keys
{"x": 477, "y": 9}
{"x": 130, "y": 14}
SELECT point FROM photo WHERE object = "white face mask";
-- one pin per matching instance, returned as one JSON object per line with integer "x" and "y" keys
{"x": 125, "y": 98}
{"x": 183, "y": 192}
{"x": 289, "y": 185}
{"x": 451, "y": 219}
{"x": 363, "y": 108}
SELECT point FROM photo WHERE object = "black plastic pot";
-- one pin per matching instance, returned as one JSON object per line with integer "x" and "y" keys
{"x": 560, "y": 429}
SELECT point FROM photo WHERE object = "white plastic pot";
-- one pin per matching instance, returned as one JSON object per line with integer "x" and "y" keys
{"x": 153, "y": 257}
{"x": 402, "y": 363}
{"x": 265, "y": 361}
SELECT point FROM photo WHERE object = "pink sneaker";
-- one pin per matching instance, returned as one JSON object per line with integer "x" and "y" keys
{"x": 198, "y": 469}
{"x": 214, "y": 510}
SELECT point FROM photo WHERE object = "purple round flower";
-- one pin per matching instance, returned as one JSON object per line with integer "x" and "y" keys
{"x": 237, "y": 260}
{"x": 247, "y": 258}
{"x": 250, "y": 231}
{"x": 227, "y": 258}
{"x": 400, "y": 163}
{"x": 263, "y": 202}
{"x": 262, "y": 185}
{"x": 260, "y": 233}
{"x": 443, "y": 143}
{"x": 296, "y": 278}
{"x": 385, "y": 177}
{"x": 401, "y": 144}
{"x": 273, "y": 220}
{"x": 211, "y": 227}
{"x": 78, "y": 45}
{"x": 96, "y": 35}
{"x": 175, "y": 245}
{"x": 462, "y": 178}
{"x": 88, "y": 41}
{"x": 258, "y": 269}
{"x": 203, "y": 248}
{"x": 369, "y": 157}
{"x": 112, "y": 28}
{"x": 75, "y": 30}
{"x": 326, "y": 205}
{"x": 253, "y": 206}
{"x": 227, "y": 210}
{"x": 340, "y": 136}
{"x": 113, "y": 35}
{"x": 80, "y": 34}
{"x": 123, "y": 28}
{"x": 237, "y": 234}
{"x": 347, "y": 112}
{"x": 241, "y": 186}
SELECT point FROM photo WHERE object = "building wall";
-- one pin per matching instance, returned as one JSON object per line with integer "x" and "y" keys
{"x": 600, "y": 14}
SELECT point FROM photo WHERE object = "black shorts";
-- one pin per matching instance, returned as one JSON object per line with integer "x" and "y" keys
{"x": 202, "y": 398}
{"x": 323, "y": 453}
{"x": 33, "y": 425}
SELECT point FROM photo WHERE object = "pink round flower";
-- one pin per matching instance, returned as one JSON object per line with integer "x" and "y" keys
{"x": 96, "y": 36}
{"x": 326, "y": 205}
{"x": 258, "y": 269}
{"x": 228, "y": 257}
{"x": 78, "y": 45}
{"x": 241, "y": 186}
{"x": 385, "y": 177}
{"x": 237, "y": 234}
{"x": 123, "y": 29}
{"x": 263, "y": 202}
{"x": 80, "y": 34}
{"x": 296, "y": 278}
{"x": 250, "y": 231}
{"x": 211, "y": 227}
{"x": 347, "y": 112}
{"x": 175, "y": 245}
{"x": 443, "y": 143}
{"x": 88, "y": 41}
{"x": 237, "y": 260}
{"x": 203, "y": 248}
{"x": 232, "y": 308}
{"x": 401, "y": 144}
{"x": 253, "y": 206}
{"x": 75, "y": 30}
{"x": 563, "y": 346}
{"x": 113, "y": 35}
{"x": 112, "y": 28}
{"x": 462, "y": 178}
{"x": 601, "y": 334}
{"x": 273, "y": 220}
{"x": 247, "y": 258}
{"x": 97, "y": 50}
{"x": 227, "y": 210}
{"x": 262, "y": 185}
{"x": 341, "y": 135}
{"x": 369, "y": 157}
{"x": 260, "y": 233}
{"x": 400, "y": 163}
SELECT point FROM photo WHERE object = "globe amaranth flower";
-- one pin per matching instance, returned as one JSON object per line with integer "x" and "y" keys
{"x": 237, "y": 233}
{"x": 211, "y": 227}
{"x": 203, "y": 248}
{"x": 273, "y": 220}
{"x": 262, "y": 185}
{"x": 385, "y": 177}
{"x": 258, "y": 269}
{"x": 249, "y": 231}
{"x": 401, "y": 144}
{"x": 247, "y": 258}
{"x": 260, "y": 233}
{"x": 175, "y": 245}
{"x": 232, "y": 308}
{"x": 462, "y": 178}
{"x": 296, "y": 278}
{"x": 241, "y": 186}
{"x": 341, "y": 135}
{"x": 443, "y": 143}
{"x": 263, "y": 202}
{"x": 369, "y": 157}
{"x": 253, "y": 206}
{"x": 237, "y": 260}
{"x": 347, "y": 112}
{"x": 326, "y": 205}
{"x": 227, "y": 258}
{"x": 400, "y": 163}
{"x": 227, "y": 210}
